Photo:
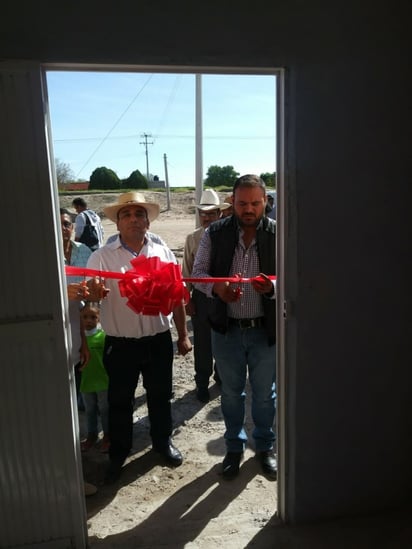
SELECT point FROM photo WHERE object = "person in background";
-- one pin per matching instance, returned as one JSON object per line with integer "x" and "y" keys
{"x": 76, "y": 254}
{"x": 243, "y": 320}
{"x": 209, "y": 210}
{"x": 135, "y": 343}
{"x": 271, "y": 205}
{"x": 229, "y": 210}
{"x": 87, "y": 219}
{"x": 94, "y": 380}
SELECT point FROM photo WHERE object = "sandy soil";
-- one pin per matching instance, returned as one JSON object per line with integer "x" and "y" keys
{"x": 154, "y": 506}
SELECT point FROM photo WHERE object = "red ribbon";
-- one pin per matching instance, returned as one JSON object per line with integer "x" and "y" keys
{"x": 152, "y": 286}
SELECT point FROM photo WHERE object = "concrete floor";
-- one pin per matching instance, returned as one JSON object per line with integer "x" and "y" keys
{"x": 390, "y": 530}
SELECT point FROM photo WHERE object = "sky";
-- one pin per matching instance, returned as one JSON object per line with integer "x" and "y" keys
{"x": 100, "y": 119}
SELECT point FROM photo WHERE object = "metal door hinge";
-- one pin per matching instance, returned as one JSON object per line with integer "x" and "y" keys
{"x": 287, "y": 309}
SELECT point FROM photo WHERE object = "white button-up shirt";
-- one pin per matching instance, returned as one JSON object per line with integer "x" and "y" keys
{"x": 116, "y": 318}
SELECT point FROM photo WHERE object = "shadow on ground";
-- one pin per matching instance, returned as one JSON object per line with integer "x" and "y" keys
{"x": 182, "y": 517}
{"x": 141, "y": 459}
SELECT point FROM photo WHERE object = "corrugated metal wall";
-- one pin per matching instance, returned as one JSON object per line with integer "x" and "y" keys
{"x": 41, "y": 496}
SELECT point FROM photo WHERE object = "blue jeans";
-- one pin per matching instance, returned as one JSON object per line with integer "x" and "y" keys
{"x": 96, "y": 403}
{"x": 238, "y": 352}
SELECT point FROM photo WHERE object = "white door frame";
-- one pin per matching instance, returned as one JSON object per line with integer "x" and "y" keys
{"x": 282, "y": 307}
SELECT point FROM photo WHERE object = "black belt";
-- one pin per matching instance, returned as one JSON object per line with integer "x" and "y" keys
{"x": 244, "y": 323}
{"x": 124, "y": 340}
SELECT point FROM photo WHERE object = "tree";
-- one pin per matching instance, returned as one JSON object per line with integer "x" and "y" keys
{"x": 136, "y": 180}
{"x": 218, "y": 176}
{"x": 104, "y": 178}
{"x": 269, "y": 179}
{"x": 64, "y": 173}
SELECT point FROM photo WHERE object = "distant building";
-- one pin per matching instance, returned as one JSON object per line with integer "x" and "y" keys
{"x": 156, "y": 184}
{"x": 75, "y": 186}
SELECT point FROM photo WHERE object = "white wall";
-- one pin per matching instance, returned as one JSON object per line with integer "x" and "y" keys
{"x": 347, "y": 172}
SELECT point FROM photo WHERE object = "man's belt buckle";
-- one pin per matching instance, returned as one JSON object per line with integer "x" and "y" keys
{"x": 245, "y": 323}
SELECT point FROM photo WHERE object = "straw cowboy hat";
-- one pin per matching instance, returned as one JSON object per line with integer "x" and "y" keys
{"x": 210, "y": 201}
{"x": 132, "y": 199}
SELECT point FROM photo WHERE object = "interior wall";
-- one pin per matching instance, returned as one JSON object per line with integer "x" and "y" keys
{"x": 41, "y": 488}
{"x": 346, "y": 179}
{"x": 353, "y": 408}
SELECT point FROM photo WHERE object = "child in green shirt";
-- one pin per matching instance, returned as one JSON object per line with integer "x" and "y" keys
{"x": 94, "y": 380}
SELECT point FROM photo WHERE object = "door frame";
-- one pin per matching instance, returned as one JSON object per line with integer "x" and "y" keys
{"x": 282, "y": 311}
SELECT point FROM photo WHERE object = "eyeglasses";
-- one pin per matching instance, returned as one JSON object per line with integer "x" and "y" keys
{"x": 66, "y": 224}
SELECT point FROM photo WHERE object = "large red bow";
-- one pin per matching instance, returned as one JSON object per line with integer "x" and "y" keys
{"x": 153, "y": 287}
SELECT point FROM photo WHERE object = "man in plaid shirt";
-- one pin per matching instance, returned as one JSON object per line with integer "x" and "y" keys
{"x": 243, "y": 319}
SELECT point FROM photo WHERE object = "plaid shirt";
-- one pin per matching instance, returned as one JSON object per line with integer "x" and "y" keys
{"x": 246, "y": 262}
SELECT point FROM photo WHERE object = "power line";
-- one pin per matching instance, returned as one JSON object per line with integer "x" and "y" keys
{"x": 114, "y": 125}
{"x": 166, "y": 136}
{"x": 169, "y": 103}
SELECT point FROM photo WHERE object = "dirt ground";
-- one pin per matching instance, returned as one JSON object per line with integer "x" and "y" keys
{"x": 153, "y": 505}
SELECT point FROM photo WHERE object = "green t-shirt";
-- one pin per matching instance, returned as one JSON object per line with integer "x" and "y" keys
{"x": 94, "y": 376}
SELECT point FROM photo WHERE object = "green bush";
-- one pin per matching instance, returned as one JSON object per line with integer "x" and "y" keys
{"x": 104, "y": 178}
{"x": 136, "y": 180}
{"x": 220, "y": 176}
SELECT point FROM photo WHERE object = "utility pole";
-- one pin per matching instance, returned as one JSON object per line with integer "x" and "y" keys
{"x": 167, "y": 183}
{"x": 146, "y": 143}
{"x": 199, "y": 144}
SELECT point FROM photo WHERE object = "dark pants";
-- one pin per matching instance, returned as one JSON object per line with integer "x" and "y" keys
{"x": 124, "y": 360}
{"x": 202, "y": 340}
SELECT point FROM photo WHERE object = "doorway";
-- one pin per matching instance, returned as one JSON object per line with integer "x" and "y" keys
{"x": 145, "y": 141}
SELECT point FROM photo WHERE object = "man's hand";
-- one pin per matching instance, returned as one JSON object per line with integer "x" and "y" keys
{"x": 263, "y": 285}
{"x": 184, "y": 345}
{"x": 183, "y": 342}
{"x": 77, "y": 291}
{"x": 227, "y": 293}
{"x": 97, "y": 289}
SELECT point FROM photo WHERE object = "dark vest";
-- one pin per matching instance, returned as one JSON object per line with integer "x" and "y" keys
{"x": 224, "y": 235}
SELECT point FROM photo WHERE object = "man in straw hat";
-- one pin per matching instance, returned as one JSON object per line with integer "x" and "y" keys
{"x": 229, "y": 210}
{"x": 209, "y": 210}
{"x": 136, "y": 343}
